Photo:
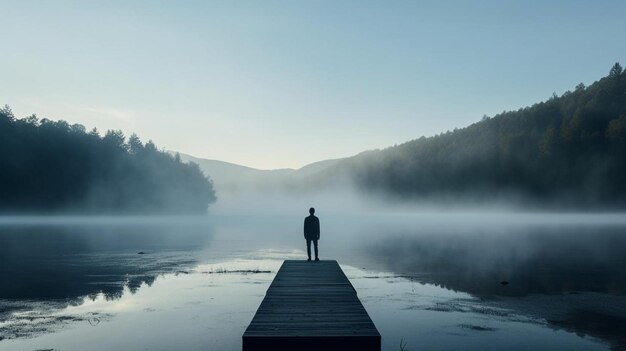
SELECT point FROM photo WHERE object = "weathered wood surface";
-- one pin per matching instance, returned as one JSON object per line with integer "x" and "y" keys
{"x": 311, "y": 306}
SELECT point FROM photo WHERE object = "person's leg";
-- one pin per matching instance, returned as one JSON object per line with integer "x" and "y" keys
{"x": 308, "y": 248}
{"x": 315, "y": 244}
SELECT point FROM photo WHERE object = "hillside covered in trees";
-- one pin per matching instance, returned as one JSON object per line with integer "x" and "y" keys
{"x": 51, "y": 166}
{"x": 568, "y": 150}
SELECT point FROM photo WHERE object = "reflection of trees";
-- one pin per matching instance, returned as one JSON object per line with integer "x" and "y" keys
{"x": 68, "y": 263}
{"x": 111, "y": 295}
{"x": 135, "y": 283}
{"x": 602, "y": 326}
{"x": 541, "y": 262}
{"x": 557, "y": 264}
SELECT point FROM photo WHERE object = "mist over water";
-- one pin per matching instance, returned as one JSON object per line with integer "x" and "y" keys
{"x": 561, "y": 271}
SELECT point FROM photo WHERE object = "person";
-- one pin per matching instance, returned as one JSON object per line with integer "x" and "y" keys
{"x": 311, "y": 232}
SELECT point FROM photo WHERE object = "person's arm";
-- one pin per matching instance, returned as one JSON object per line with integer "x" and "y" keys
{"x": 318, "y": 229}
{"x": 305, "y": 228}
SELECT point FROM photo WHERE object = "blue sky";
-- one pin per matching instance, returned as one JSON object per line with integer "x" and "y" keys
{"x": 274, "y": 84}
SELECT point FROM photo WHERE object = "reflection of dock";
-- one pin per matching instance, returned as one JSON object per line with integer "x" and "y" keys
{"x": 311, "y": 306}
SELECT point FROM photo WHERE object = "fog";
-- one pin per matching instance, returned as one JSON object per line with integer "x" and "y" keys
{"x": 551, "y": 262}
{"x": 342, "y": 197}
{"x": 559, "y": 267}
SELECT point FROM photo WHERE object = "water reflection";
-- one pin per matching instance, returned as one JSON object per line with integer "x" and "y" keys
{"x": 574, "y": 277}
{"x": 204, "y": 309}
{"x": 433, "y": 280}
{"x": 53, "y": 266}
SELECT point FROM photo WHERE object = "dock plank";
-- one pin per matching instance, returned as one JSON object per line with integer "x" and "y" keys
{"x": 311, "y": 306}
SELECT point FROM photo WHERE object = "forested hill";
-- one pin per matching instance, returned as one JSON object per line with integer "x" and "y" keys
{"x": 568, "y": 150}
{"x": 52, "y": 166}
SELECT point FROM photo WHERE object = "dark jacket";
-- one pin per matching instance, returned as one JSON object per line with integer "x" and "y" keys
{"x": 311, "y": 228}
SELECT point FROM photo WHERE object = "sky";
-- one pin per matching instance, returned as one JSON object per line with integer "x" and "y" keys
{"x": 280, "y": 84}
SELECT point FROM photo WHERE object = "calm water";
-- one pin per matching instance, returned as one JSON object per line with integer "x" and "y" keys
{"x": 438, "y": 282}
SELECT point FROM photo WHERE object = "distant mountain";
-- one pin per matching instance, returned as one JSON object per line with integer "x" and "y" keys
{"x": 316, "y": 167}
{"x": 230, "y": 177}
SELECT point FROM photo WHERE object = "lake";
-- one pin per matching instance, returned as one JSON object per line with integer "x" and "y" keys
{"x": 436, "y": 281}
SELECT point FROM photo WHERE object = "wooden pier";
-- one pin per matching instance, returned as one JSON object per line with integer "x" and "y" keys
{"x": 311, "y": 306}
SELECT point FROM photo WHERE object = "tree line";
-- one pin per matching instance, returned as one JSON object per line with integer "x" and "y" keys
{"x": 569, "y": 149}
{"x": 53, "y": 166}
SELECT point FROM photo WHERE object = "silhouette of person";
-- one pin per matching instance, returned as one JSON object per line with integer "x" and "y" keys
{"x": 311, "y": 232}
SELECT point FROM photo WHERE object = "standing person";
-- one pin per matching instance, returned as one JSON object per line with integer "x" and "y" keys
{"x": 311, "y": 232}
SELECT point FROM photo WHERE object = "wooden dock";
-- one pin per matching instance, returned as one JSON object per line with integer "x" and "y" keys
{"x": 311, "y": 306}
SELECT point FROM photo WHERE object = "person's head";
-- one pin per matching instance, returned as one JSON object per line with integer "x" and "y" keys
{"x": 312, "y": 211}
